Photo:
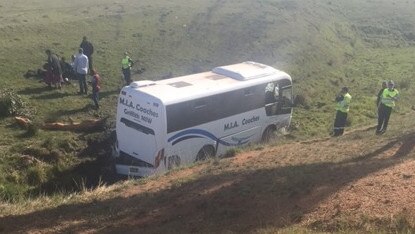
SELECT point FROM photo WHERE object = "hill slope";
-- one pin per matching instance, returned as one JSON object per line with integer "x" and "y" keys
{"x": 356, "y": 182}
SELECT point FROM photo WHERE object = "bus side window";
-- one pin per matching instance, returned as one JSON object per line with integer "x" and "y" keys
{"x": 269, "y": 93}
{"x": 271, "y": 98}
{"x": 285, "y": 102}
{"x": 286, "y": 97}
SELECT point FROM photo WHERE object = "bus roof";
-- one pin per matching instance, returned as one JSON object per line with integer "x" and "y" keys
{"x": 219, "y": 80}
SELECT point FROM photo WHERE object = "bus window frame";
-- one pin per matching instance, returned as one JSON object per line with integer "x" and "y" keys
{"x": 136, "y": 126}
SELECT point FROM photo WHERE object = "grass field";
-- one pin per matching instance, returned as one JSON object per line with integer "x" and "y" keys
{"x": 323, "y": 45}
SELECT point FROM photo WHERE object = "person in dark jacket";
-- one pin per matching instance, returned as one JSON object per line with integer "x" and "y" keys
{"x": 88, "y": 51}
{"x": 55, "y": 69}
{"x": 67, "y": 70}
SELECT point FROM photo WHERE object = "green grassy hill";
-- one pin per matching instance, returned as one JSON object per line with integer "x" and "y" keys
{"x": 357, "y": 183}
{"x": 323, "y": 45}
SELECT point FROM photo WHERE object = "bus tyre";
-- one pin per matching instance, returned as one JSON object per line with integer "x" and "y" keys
{"x": 205, "y": 152}
{"x": 268, "y": 134}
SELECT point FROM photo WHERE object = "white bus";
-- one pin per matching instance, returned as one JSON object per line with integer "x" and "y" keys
{"x": 172, "y": 122}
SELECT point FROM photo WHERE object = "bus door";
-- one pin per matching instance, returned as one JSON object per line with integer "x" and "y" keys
{"x": 278, "y": 98}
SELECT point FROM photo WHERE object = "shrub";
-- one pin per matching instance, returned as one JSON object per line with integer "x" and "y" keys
{"x": 68, "y": 145}
{"x": 36, "y": 175}
{"x": 231, "y": 153}
{"x": 44, "y": 154}
{"x": 32, "y": 129}
{"x": 301, "y": 100}
{"x": 9, "y": 192}
{"x": 11, "y": 104}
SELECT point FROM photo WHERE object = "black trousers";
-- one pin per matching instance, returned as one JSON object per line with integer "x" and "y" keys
{"x": 95, "y": 97}
{"x": 127, "y": 75}
{"x": 384, "y": 113}
{"x": 339, "y": 123}
{"x": 82, "y": 83}
{"x": 90, "y": 65}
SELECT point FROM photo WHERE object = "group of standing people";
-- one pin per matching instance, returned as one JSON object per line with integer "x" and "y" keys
{"x": 83, "y": 66}
{"x": 385, "y": 103}
{"x": 59, "y": 71}
{"x": 80, "y": 67}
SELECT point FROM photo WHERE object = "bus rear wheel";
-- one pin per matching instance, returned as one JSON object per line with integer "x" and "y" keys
{"x": 205, "y": 152}
{"x": 268, "y": 134}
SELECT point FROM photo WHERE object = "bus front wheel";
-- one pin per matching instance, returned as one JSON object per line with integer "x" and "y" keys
{"x": 205, "y": 152}
{"x": 268, "y": 134}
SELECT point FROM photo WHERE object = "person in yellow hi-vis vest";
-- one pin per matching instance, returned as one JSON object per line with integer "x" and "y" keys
{"x": 343, "y": 100}
{"x": 126, "y": 64}
{"x": 387, "y": 103}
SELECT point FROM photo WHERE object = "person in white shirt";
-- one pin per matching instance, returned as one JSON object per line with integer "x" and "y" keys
{"x": 81, "y": 69}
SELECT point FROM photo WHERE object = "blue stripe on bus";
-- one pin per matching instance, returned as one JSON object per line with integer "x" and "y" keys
{"x": 184, "y": 134}
{"x": 185, "y": 138}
